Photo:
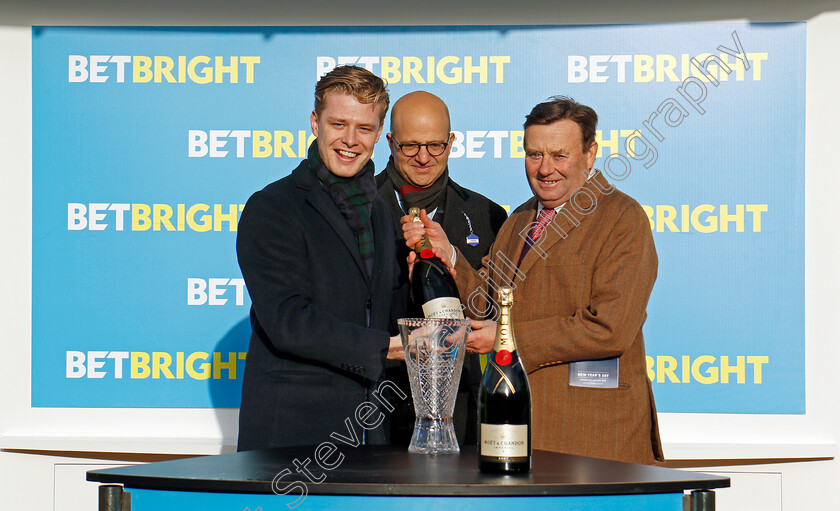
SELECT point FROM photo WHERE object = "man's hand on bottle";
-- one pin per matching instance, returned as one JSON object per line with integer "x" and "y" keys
{"x": 439, "y": 253}
{"x": 413, "y": 231}
{"x": 482, "y": 337}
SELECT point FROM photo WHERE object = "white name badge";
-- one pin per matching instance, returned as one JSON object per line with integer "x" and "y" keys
{"x": 594, "y": 373}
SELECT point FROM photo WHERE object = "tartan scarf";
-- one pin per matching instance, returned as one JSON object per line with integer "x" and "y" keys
{"x": 413, "y": 196}
{"x": 354, "y": 197}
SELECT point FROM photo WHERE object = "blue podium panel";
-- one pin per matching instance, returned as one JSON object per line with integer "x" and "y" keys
{"x": 158, "y": 500}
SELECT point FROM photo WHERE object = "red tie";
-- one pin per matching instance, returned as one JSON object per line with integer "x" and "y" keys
{"x": 543, "y": 219}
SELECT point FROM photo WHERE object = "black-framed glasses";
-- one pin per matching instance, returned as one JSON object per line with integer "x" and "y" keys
{"x": 433, "y": 148}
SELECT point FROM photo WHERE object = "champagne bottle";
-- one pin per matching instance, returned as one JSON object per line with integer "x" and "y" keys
{"x": 504, "y": 402}
{"x": 433, "y": 290}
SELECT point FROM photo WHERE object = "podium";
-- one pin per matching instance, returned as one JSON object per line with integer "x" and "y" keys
{"x": 336, "y": 476}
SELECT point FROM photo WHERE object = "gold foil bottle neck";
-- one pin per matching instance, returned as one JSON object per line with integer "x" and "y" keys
{"x": 504, "y": 329}
{"x": 424, "y": 246}
{"x": 505, "y": 296}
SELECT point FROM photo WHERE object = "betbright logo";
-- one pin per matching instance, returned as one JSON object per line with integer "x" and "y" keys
{"x": 197, "y": 365}
{"x": 201, "y": 69}
{"x": 448, "y": 69}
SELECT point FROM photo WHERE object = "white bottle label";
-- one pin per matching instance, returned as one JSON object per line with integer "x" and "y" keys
{"x": 447, "y": 307}
{"x": 504, "y": 440}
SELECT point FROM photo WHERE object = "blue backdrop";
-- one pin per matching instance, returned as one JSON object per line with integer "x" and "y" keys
{"x": 148, "y": 141}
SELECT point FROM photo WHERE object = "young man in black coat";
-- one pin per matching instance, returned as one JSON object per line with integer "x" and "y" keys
{"x": 317, "y": 251}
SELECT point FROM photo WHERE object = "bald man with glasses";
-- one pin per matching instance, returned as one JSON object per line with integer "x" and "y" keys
{"x": 417, "y": 175}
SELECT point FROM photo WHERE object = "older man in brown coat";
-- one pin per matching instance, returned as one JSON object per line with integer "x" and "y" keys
{"x": 581, "y": 259}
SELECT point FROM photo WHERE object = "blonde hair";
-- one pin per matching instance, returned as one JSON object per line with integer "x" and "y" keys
{"x": 365, "y": 86}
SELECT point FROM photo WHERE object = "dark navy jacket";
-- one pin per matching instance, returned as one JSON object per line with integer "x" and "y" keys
{"x": 312, "y": 359}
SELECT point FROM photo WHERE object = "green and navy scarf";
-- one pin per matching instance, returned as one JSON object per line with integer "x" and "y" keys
{"x": 354, "y": 197}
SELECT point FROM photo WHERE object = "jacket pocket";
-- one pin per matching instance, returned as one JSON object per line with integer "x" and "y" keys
{"x": 298, "y": 376}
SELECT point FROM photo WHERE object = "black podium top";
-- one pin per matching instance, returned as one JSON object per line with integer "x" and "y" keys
{"x": 370, "y": 470}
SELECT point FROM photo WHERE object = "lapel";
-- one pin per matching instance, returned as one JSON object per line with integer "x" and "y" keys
{"x": 381, "y": 222}
{"x": 453, "y": 220}
{"x": 385, "y": 189}
{"x": 521, "y": 220}
{"x": 322, "y": 203}
{"x": 570, "y": 216}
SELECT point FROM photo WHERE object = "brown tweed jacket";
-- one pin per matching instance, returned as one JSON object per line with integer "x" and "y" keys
{"x": 579, "y": 294}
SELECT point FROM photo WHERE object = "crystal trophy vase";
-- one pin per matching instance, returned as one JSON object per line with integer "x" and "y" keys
{"x": 434, "y": 356}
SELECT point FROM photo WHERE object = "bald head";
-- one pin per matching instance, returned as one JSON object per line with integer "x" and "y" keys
{"x": 419, "y": 107}
{"x": 420, "y": 118}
